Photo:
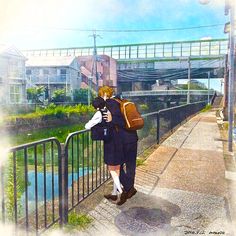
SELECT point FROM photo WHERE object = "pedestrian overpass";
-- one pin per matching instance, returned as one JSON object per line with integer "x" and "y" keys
{"x": 140, "y": 65}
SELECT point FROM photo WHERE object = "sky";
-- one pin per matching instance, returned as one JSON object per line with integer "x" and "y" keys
{"x": 33, "y": 24}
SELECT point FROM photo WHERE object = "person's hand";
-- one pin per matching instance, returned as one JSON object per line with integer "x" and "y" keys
{"x": 108, "y": 116}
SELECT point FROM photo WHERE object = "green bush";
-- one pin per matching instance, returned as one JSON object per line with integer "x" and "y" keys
{"x": 143, "y": 107}
{"x": 206, "y": 108}
{"x": 78, "y": 221}
{"x": 52, "y": 112}
{"x": 34, "y": 94}
{"x": 60, "y": 96}
{"x": 81, "y": 96}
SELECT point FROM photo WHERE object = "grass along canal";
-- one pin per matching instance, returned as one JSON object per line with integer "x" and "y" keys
{"x": 59, "y": 132}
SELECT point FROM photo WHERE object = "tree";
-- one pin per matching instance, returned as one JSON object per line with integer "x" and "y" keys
{"x": 81, "y": 95}
{"x": 193, "y": 87}
{"x": 60, "y": 96}
{"x": 35, "y": 94}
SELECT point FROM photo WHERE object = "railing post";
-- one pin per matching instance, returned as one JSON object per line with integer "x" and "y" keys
{"x": 63, "y": 185}
{"x": 158, "y": 128}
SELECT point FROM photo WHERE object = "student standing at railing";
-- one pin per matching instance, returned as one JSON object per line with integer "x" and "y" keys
{"x": 125, "y": 147}
{"x": 113, "y": 154}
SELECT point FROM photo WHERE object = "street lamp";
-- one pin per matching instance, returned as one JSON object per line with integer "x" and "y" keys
{"x": 229, "y": 9}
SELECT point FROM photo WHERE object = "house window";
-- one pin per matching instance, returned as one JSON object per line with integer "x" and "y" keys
{"x": 15, "y": 93}
{"x": 28, "y": 72}
{"x": 45, "y": 71}
{"x": 63, "y": 71}
{"x": 35, "y": 71}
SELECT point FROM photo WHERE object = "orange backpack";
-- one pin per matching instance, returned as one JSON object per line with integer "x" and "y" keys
{"x": 131, "y": 115}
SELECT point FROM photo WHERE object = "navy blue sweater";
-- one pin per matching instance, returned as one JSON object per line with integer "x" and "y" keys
{"x": 118, "y": 120}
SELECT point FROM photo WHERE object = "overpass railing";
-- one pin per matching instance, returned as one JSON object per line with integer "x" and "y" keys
{"x": 166, "y": 92}
{"x": 211, "y": 47}
{"x": 42, "y": 181}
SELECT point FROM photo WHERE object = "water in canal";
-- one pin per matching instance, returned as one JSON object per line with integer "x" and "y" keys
{"x": 49, "y": 187}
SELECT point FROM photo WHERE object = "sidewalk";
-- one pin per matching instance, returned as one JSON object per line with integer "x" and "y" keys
{"x": 181, "y": 188}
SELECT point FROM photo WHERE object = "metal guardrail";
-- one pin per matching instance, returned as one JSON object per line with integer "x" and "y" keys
{"x": 143, "y": 51}
{"x": 166, "y": 92}
{"x": 168, "y": 119}
{"x": 24, "y": 196}
{"x": 85, "y": 158}
{"x": 45, "y": 180}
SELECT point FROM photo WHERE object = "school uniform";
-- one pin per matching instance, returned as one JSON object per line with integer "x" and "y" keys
{"x": 127, "y": 148}
{"x": 113, "y": 148}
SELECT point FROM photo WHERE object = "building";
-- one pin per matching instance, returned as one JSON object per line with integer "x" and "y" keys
{"x": 62, "y": 72}
{"x": 192, "y": 82}
{"x": 198, "y": 83}
{"x": 12, "y": 75}
{"x": 106, "y": 69}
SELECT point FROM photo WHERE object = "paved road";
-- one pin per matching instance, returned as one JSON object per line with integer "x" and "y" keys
{"x": 182, "y": 188}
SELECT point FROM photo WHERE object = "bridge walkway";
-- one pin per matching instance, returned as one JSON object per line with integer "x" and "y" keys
{"x": 181, "y": 186}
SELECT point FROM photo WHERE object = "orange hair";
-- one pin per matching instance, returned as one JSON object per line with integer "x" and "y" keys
{"x": 105, "y": 89}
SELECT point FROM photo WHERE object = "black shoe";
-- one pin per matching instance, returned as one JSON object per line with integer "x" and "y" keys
{"x": 111, "y": 197}
{"x": 123, "y": 199}
{"x": 131, "y": 192}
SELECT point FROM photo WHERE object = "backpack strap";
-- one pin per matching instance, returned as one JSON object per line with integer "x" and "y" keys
{"x": 116, "y": 99}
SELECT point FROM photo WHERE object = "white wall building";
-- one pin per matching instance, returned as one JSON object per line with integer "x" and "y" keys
{"x": 54, "y": 73}
{"x": 12, "y": 75}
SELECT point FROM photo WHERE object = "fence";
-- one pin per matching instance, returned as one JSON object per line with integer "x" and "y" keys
{"x": 167, "y": 92}
{"x": 168, "y": 119}
{"x": 32, "y": 178}
{"x": 45, "y": 180}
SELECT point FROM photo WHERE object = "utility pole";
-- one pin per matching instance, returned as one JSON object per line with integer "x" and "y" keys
{"x": 89, "y": 85}
{"x": 208, "y": 94}
{"x": 94, "y": 35}
{"x": 189, "y": 80}
{"x": 230, "y": 7}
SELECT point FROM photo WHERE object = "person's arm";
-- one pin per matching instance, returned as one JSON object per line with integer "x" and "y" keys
{"x": 97, "y": 118}
{"x": 117, "y": 117}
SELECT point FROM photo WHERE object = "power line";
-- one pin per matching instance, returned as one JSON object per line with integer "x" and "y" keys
{"x": 134, "y": 30}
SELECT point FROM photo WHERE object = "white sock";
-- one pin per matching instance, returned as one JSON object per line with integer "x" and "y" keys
{"x": 116, "y": 180}
{"x": 114, "y": 192}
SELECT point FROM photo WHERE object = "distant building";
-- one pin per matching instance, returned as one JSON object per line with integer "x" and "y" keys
{"x": 192, "y": 81}
{"x": 62, "y": 72}
{"x": 106, "y": 69}
{"x": 164, "y": 84}
{"x": 12, "y": 75}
